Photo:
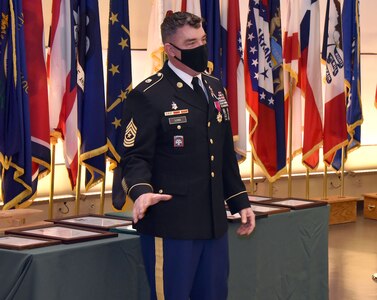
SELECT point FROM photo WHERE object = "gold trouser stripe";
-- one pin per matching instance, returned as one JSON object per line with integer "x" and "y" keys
{"x": 159, "y": 271}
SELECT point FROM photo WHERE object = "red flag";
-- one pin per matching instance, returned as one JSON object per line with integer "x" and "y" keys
{"x": 310, "y": 82}
{"x": 62, "y": 72}
{"x": 335, "y": 129}
{"x": 234, "y": 77}
{"x": 37, "y": 91}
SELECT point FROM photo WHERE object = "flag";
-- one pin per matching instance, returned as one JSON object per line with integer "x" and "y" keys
{"x": 90, "y": 92}
{"x": 351, "y": 52}
{"x": 210, "y": 11}
{"x": 291, "y": 55}
{"x": 119, "y": 84}
{"x": 335, "y": 130}
{"x": 310, "y": 82}
{"x": 15, "y": 142}
{"x": 155, "y": 49}
{"x": 264, "y": 87}
{"x": 233, "y": 72}
{"x": 62, "y": 74}
{"x": 37, "y": 90}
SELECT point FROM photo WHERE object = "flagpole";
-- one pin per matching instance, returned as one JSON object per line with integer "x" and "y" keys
{"x": 78, "y": 184}
{"x": 102, "y": 197}
{"x": 270, "y": 188}
{"x": 52, "y": 181}
{"x": 252, "y": 174}
{"x": 325, "y": 183}
{"x": 342, "y": 174}
{"x": 290, "y": 138}
{"x": 307, "y": 183}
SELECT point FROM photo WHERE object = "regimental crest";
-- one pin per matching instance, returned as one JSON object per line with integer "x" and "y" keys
{"x": 130, "y": 135}
{"x": 179, "y": 141}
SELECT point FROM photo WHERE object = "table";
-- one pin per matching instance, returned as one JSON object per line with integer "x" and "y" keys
{"x": 285, "y": 258}
{"x": 103, "y": 269}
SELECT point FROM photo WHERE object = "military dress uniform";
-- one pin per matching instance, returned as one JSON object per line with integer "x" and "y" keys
{"x": 178, "y": 144}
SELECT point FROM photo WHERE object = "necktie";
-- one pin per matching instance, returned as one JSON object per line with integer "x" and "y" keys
{"x": 198, "y": 89}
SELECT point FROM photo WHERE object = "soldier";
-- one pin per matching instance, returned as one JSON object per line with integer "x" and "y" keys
{"x": 179, "y": 166}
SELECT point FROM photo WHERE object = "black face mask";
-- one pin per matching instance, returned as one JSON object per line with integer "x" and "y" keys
{"x": 196, "y": 58}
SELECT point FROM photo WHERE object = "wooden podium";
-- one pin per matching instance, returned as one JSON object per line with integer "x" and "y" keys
{"x": 342, "y": 209}
{"x": 370, "y": 206}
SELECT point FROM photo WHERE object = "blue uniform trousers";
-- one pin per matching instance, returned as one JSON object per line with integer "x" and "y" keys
{"x": 186, "y": 269}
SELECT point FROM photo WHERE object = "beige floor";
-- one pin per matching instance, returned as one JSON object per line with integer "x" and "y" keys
{"x": 353, "y": 259}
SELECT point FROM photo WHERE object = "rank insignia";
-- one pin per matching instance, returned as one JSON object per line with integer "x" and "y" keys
{"x": 174, "y": 105}
{"x": 130, "y": 135}
{"x": 179, "y": 141}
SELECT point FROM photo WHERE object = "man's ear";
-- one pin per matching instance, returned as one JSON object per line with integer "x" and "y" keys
{"x": 170, "y": 50}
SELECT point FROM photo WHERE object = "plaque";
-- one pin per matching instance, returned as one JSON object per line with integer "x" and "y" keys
{"x": 64, "y": 233}
{"x": 296, "y": 203}
{"x": 92, "y": 221}
{"x": 14, "y": 242}
{"x": 237, "y": 217}
{"x": 254, "y": 198}
{"x": 268, "y": 209}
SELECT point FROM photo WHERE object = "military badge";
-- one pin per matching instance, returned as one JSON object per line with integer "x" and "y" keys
{"x": 213, "y": 95}
{"x": 174, "y": 105}
{"x": 179, "y": 141}
{"x": 130, "y": 135}
{"x": 219, "y": 117}
{"x": 176, "y": 112}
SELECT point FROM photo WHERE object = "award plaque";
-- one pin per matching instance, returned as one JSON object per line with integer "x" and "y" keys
{"x": 92, "y": 221}
{"x": 14, "y": 242}
{"x": 296, "y": 203}
{"x": 64, "y": 233}
{"x": 268, "y": 209}
{"x": 254, "y": 198}
{"x": 237, "y": 217}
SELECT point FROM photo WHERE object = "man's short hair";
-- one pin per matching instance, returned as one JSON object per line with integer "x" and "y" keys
{"x": 177, "y": 20}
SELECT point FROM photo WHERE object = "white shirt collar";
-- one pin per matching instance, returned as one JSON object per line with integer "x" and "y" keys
{"x": 184, "y": 76}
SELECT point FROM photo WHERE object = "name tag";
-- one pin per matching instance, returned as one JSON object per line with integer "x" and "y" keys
{"x": 177, "y": 120}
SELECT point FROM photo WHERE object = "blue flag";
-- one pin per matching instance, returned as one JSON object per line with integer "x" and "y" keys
{"x": 91, "y": 95}
{"x": 211, "y": 13}
{"x": 15, "y": 144}
{"x": 351, "y": 52}
{"x": 119, "y": 84}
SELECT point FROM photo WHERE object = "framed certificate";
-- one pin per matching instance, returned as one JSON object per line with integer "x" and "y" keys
{"x": 92, "y": 221}
{"x": 296, "y": 203}
{"x": 268, "y": 209}
{"x": 14, "y": 242}
{"x": 254, "y": 198}
{"x": 237, "y": 217}
{"x": 64, "y": 233}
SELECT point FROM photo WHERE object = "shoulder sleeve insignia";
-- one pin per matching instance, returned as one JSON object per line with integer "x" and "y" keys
{"x": 130, "y": 135}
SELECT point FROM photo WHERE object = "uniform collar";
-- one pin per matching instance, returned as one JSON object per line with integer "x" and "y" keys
{"x": 184, "y": 76}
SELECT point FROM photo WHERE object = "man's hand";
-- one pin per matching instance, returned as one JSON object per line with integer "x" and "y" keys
{"x": 144, "y": 201}
{"x": 248, "y": 222}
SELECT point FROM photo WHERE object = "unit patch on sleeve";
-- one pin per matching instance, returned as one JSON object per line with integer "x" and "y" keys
{"x": 130, "y": 135}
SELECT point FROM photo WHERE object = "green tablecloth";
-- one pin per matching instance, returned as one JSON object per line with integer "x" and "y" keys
{"x": 102, "y": 269}
{"x": 285, "y": 258}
